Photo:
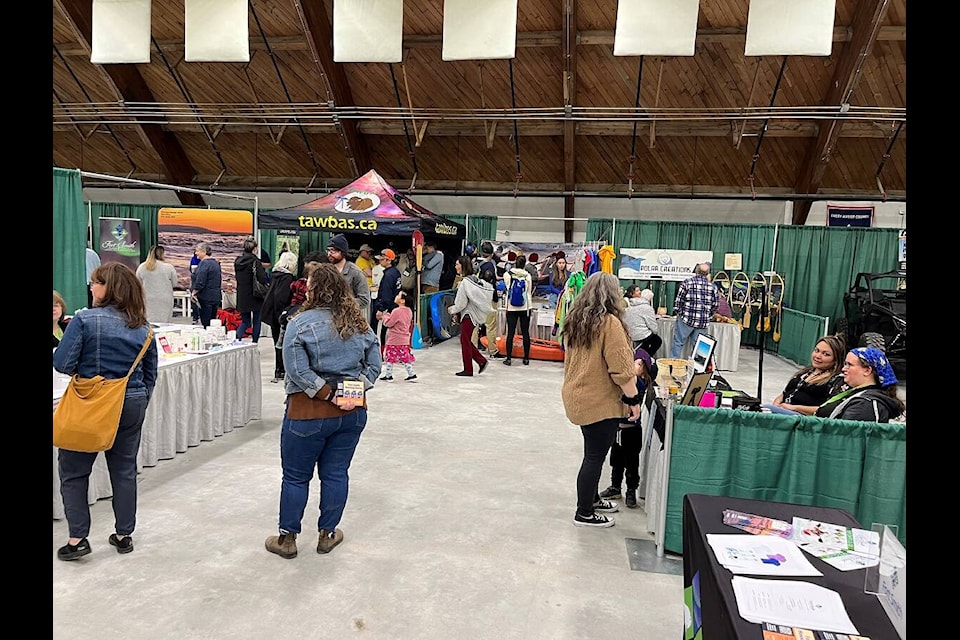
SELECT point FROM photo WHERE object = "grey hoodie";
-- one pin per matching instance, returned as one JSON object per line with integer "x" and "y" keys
{"x": 473, "y": 299}
{"x": 640, "y": 318}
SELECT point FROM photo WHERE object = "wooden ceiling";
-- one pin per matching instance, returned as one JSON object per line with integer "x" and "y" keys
{"x": 562, "y": 118}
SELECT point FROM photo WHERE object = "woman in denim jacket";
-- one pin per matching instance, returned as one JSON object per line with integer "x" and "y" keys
{"x": 326, "y": 342}
{"x": 105, "y": 340}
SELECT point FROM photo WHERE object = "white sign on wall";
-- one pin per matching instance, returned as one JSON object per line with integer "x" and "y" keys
{"x": 660, "y": 264}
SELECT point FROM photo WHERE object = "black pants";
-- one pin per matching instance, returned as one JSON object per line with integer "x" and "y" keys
{"x": 651, "y": 344}
{"x": 278, "y": 371}
{"x": 625, "y": 458}
{"x": 597, "y": 438}
{"x": 523, "y": 317}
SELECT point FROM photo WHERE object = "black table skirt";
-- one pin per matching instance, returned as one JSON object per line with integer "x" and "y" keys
{"x": 703, "y": 514}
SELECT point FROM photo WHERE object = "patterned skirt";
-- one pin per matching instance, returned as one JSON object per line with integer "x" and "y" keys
{"x": 398, "y": 354}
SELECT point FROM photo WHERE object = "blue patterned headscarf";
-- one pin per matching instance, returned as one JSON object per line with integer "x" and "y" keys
{"x": 876, "y": 359}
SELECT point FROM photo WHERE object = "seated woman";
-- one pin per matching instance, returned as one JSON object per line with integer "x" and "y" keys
{"x": 872, "y": 396}
{"x": 811, "y": 386}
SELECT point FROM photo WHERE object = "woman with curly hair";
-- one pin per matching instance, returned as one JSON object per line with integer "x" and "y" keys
{"x": 327, "y": 345}
{"x": 599, "y": 385}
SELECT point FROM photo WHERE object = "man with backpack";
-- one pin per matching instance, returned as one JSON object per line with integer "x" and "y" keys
{"x": 519, "y": 293}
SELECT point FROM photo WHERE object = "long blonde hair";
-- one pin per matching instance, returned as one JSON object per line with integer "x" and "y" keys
{"x": 156, "y": 253}
{"x": 599, "y": 298}
{"x": 327, "y": 289}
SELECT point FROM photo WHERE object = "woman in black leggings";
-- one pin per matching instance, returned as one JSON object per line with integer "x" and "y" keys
{"x": 517, "y": 311}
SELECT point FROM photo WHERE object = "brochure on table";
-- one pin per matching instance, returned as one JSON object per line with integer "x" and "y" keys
{"x": 888, "y": 579}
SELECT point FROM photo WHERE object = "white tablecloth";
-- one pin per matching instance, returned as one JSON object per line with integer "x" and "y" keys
{"x": 537, "y": 330}
{"x": 197, "y": 398}
{"x": 725, "y": 356}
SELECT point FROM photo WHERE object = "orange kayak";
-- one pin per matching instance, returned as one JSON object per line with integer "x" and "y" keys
{"x": 539, "y": 349}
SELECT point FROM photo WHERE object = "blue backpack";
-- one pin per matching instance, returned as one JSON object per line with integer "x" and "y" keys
{"x": 518, "y": 291}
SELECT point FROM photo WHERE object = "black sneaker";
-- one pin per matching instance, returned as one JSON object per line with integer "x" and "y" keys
{"x": 596, "y": 520}
{"x": 73, "y": 552}
{"x": 124, "y": 545}
{"x": 411, "y": 378}
{"x": 611, "y": 493}
{"x": 605, "y": 506}
{"x": 497, "y": 356}
{"x": 387, "y": 378}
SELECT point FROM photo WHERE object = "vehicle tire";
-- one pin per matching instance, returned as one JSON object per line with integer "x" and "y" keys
{"x": 871, "y": 339}
{"x": 842, "y": 328}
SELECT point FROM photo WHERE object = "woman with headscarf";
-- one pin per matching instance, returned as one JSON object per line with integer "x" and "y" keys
{"x": 872, "y": 396}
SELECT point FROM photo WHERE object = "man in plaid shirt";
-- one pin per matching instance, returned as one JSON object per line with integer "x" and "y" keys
{"x": 694, "y": 307}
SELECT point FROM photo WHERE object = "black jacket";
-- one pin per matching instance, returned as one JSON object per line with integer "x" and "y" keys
{"x": 389, "y": 288}
{"x": 869, "y": 404}
{"x": 244, "y": 267}
{"x": 278, "y": 298}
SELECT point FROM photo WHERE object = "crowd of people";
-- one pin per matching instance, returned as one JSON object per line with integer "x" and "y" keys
{"x": 341, "y": 325}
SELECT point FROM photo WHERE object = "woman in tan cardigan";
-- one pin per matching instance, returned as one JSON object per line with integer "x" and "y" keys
{"x": 599, "y": 385}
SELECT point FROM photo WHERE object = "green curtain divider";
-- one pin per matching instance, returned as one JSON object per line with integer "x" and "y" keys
{"x": 817, "y": 263}
{"x": 799, "y": 333}
{"x": 69, "y": 238}
{"x": 478, "y": 227}
{"x": 857, "y": 466}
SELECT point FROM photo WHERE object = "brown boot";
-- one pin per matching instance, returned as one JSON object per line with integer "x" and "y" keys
{"x": 284, "y": 545}
{"x": 328, "y": 540}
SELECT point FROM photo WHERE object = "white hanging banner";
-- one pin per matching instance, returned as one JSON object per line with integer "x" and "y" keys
{"x": 367, "y": 30}
{"x": 475, "y": 30}
{"x": 216, "y": 31}
{"x": 120, "y": 32}
{"x": 660, "y": 264}
{"x": 790, "y": 28}
{"x": 656, "y": 27}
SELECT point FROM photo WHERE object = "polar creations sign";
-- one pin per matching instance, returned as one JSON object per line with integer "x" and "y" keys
{"x": 660, "y": 264}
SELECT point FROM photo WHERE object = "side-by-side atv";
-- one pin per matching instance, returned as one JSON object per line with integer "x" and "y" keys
{"x": 875, "y": 310}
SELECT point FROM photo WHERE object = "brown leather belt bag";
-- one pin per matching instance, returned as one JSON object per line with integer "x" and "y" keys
{"x": 300, "y": 406}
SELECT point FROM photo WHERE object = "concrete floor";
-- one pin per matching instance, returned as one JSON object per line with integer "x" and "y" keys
{"x": 458, "y": 525}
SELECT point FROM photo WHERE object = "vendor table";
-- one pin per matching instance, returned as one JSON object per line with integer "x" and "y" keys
{"x": 719, "y": 617}
{"x": 541, "y": 323}
{"x": 727, "y": 352}
{"x": 197, "y": 398}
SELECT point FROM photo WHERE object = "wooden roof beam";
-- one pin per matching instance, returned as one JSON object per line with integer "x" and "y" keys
{"x": 131, "y": 87}
{"x": 524, "y": 39}
{"x": 569, "y": 126}
{"x": 319, "y": 35}
{"x": 866, "y": 25}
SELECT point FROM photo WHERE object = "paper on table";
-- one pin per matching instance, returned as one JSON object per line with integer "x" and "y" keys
{"x": 818, "y": 538}
{"x": 842, "y": 560}
{"x": 792, "y": 603}
{"x": 760, "y": 555}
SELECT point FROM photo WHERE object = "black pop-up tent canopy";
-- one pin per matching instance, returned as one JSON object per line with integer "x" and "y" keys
{"x": 366, "y": 206}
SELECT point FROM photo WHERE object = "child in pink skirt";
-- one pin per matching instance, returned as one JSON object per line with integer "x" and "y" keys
{"x": 399, "y": 323}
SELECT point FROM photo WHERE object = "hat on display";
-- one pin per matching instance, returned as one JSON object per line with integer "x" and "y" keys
{"x": 561, "y": 254}
{"x": 339, "y": 242}
{"x": 365, "y": 247}
{"x": 388, "y": 254}
{"x": 512, "y": 256}
{"x": 533, "y": 257}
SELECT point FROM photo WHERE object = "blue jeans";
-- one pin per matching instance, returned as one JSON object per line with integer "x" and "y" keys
{"x": 775, "y": 409}
{"x": 75, "y": 467}
{"x": 247, "y": 323}
{"x": 681, "y": 333}
{"x": 327, "y": 445}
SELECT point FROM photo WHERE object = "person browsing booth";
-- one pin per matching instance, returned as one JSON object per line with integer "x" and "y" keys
{"x": 694, "y": 306}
